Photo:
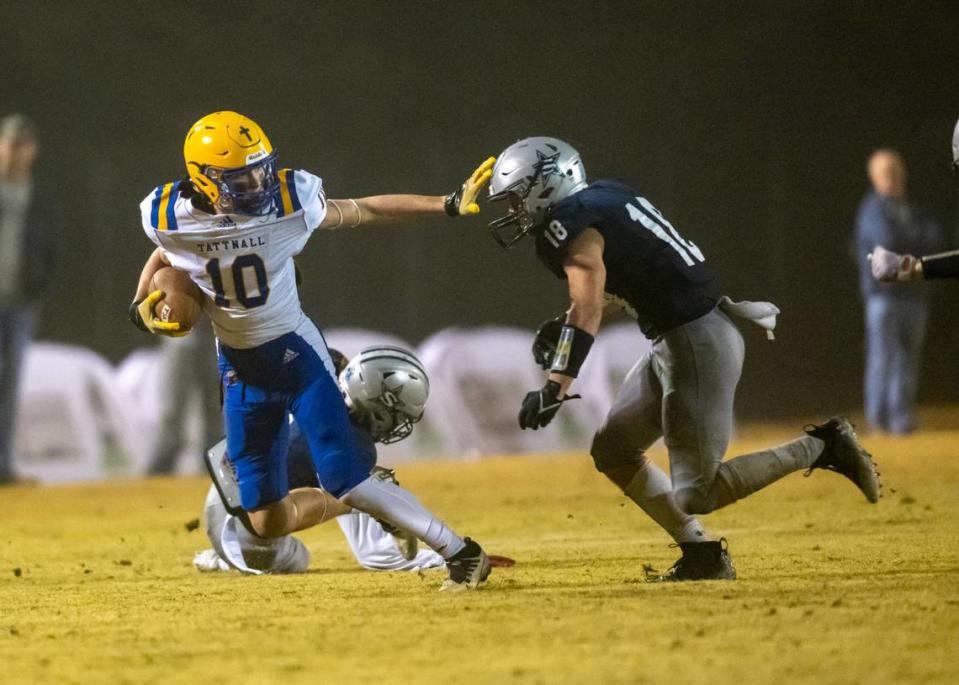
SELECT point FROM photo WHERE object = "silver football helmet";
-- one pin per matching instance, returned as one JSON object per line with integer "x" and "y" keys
{"x": 386, "y": 387}
{"x": 532, "y": 174}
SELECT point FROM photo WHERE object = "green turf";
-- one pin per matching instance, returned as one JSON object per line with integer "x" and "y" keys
{"x": 831, "y": 589}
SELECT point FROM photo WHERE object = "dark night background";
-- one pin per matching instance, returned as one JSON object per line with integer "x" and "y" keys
{"x": 747, "y": 124}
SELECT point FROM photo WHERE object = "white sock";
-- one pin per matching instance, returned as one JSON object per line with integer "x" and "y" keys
{"x": 651, "y": 489}
{"x": 386, "y": 500}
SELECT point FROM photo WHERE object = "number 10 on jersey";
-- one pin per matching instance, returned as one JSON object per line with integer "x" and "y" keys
{"x": 242, "y": 265}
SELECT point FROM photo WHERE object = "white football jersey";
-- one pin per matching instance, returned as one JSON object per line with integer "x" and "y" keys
{"x": 243, "y": 265}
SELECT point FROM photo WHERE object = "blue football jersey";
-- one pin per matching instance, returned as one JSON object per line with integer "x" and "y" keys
{"x": 654, "y": 273}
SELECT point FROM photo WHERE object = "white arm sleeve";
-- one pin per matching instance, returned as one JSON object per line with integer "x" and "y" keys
{"x": 374, "y": 548}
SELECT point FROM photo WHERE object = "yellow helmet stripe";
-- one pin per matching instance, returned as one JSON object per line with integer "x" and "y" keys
{"x": 163, "y": 218}
{"x": 285, "y": 193}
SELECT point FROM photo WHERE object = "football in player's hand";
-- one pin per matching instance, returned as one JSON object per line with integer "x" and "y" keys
{"x": 183, "y": 301}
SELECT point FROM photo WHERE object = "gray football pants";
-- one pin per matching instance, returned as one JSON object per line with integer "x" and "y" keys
{"x": 683, "y": 390}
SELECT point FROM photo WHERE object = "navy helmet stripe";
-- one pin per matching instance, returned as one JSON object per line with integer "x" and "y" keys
{"x": 155, "y": 208}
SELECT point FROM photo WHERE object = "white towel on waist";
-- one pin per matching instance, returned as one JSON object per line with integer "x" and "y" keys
{"x": 760, "y": 313}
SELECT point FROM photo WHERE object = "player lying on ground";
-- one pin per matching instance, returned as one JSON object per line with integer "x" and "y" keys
{"x": 386, "y": 394}
{"x": 236, "y": 546}
{"x": 234, "y": 225}
{"x": 611, "y": 244}
{"x": 890, "y": 266}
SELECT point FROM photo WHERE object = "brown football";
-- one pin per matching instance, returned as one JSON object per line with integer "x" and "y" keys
{"x": 183, "y": 301}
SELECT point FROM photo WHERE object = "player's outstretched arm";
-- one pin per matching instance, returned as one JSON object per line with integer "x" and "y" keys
{"x": 388, "y": 209}
{"x": 378, "y": 210}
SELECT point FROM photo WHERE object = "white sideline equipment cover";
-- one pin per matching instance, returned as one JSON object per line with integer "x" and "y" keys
{"x": 72, "y": 422}
{"x": 478, "y": 379}
{"x": 143, "y": 378}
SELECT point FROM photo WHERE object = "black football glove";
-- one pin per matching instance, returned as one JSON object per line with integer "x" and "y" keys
{"x": 547, "y": 337}
{"x": 540, "y": 406}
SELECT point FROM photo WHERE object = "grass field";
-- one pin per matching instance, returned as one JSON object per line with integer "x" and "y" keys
{"x": 96, "y": 585}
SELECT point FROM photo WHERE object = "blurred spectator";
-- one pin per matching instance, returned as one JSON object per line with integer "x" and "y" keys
{"x": 29, "y": 242}
{"x": 896, "y": 313}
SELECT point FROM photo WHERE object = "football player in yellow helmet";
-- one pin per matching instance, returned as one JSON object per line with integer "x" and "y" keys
{"x": 231, "y": 162}
{"x": 235, "y": 226}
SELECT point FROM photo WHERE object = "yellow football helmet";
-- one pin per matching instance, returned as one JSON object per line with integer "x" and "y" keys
{"x": 231, "y": 161}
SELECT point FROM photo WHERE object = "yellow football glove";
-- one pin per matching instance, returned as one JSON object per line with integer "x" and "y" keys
{"x": 463, "y": 201}
{"x": 142, "y": 316}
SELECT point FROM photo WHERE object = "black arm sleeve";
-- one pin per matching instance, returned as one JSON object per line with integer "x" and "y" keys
{"x": 945, "y": 265}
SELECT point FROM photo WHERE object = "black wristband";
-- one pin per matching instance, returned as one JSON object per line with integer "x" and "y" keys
{"x": 571, "y": 351}
{"x": 451, "y": 203}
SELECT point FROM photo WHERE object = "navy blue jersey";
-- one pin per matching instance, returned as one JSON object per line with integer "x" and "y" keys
{"x": 657, "y": 275}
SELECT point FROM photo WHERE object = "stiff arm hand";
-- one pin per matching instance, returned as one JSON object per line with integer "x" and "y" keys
{"x": 463, "y": 200}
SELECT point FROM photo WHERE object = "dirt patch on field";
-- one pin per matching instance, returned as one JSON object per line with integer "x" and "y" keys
{"x": 96, "y": 585}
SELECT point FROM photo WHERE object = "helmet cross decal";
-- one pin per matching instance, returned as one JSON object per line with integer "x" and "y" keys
{"x": 244, "y": 131}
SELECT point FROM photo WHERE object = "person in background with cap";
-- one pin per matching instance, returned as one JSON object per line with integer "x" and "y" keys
{"x": 29, "y": 244}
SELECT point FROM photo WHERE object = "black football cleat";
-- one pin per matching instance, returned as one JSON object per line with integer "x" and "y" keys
{"x": 844, "y": 455}
{"x": 700, "y": 561}
{"x": 468, "y": 568}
